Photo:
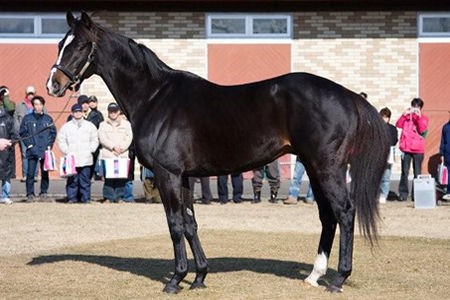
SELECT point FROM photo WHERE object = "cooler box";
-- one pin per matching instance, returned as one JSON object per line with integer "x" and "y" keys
{"x": 424, "y": 192}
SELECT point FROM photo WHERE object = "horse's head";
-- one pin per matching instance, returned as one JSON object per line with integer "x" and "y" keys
{"x": 76, "y": 56}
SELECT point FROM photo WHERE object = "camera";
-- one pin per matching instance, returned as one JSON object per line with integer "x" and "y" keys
{"x": 414, "y": 110}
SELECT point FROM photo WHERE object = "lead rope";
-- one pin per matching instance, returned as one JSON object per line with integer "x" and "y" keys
{"x": 49, "y": 125}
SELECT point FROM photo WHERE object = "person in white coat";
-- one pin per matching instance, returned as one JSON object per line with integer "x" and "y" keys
{"x": 115, "y": 136}
{"x": 79, "y": 137}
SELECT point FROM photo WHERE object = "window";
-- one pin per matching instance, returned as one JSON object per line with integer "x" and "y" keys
{"x": 29, "y": 25}
{"x": 434, "y": 24}
{"x": 248, "y": 26}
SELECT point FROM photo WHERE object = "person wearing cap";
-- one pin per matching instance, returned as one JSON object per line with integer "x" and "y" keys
{"x": 95, "y": 117}
{"x": 78, "y": 137}
{"x": 24, "y": 108}
{"x": 115, "y": 136}
{"x": 38, "y": 133}
{"x": 5, "y": 101}
{"x": 82, "y": 100}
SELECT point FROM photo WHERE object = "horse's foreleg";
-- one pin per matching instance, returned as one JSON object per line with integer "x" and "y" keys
{"x": 169, "y": 186}
{"x": 192, "y": 237}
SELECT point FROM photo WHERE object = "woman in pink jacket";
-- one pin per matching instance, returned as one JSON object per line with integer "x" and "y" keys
{"x": 412, "y": 143}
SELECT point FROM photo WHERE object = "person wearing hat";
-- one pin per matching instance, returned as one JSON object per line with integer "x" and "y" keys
{"x": 38, "y": 133}
{"x": 115, "y": 136}
{"x": 82, "y": 100}
{"x": 79, "y": 137}
{"x": 95, "y": 117}
{"x": 24, "y": 108}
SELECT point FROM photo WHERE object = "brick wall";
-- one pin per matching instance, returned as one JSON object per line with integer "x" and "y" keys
{"x": 374, "y": 52}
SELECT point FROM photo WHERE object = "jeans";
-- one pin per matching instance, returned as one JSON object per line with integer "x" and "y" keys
{"x": 6, "y": 189}
{"x": 32, "y": 166}
{"x": 78, "y": 186}
{"x": 416, "y": 159}
{"x": 294, "y": 187}
{"x": 386, "y": 182}
{"x": 114, "y": 189}
{"x": 23, "y": 151}
{"x": 237, "y": 182}
{"x": 128, "y": 192}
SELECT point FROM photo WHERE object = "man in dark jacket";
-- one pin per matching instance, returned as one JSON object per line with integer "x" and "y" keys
{"x": 39, "y": 134}
{"x": 95, "y": 117}
{"x": 7, "y": 131}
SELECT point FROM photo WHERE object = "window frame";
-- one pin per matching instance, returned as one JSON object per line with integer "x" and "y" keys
{"x": 248, "y": 31}
{"x": 37, "y": 24}
{"x": 421, "y": 18}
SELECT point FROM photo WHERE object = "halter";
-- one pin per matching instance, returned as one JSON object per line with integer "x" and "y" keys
{"x": 76, "y": 79}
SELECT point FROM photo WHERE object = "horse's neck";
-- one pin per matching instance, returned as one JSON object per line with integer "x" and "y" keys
{"x": 128, "y": 77}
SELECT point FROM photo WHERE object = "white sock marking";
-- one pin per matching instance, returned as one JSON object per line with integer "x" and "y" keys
{"x": 320, "y": 268}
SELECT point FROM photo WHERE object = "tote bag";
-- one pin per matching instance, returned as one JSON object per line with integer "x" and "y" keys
{"x": 49, "y": 160}
{"x": 67, "y": 166}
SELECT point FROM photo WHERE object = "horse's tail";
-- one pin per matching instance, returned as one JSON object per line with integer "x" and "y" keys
{"x": 367, "y": 164}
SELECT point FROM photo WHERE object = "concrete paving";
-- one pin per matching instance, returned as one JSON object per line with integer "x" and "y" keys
{"x": 57, "y": 189}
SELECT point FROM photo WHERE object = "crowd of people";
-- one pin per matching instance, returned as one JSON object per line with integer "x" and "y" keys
{"x": 93, "y": 142}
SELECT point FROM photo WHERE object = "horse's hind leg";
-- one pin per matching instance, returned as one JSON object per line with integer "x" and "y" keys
{"x": 326, "y": 238}
{"x": 192, "y": 237}
{"x": 334, "y": 207}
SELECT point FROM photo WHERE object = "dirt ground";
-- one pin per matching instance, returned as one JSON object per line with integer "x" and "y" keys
{"x": 123, "y": 251}
{"x": 37, "y": 227}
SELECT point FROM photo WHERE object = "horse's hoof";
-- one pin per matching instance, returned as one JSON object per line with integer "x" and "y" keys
{"x": 197, "y": 285}
{"x": 334, "y": 289}
{"x": 171, "y": 289}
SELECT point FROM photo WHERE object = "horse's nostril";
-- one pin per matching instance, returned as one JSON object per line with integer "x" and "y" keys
{"x": 55, "y": 86}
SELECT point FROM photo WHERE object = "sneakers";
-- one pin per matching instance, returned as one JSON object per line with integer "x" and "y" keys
{"x": 6, "y": 201}
{"x": 30, "y": 198}
{"x": 382, "y": 199}
{"x": 446, "y": 197}
{"x": 290, "y": 200}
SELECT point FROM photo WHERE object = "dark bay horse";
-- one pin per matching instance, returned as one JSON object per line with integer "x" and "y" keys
{"x": 187, "y": 126}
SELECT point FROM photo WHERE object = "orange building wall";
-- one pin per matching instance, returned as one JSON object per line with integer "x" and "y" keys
{"x": 242, "y": 63}
{"x": 29, "y": 64}
{"x": 434, "y": 84}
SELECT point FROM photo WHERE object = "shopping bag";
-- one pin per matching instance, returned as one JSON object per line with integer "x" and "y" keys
{"x": 67, "y": 166}
{"x": 49, "y": 160}
{"x": 116, "y": 167}
{"x": 391, "y": 157}
{"x": 442, "y": 174}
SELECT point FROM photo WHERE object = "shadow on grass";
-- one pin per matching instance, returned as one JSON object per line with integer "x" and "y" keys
{"x": 157, "y": 269}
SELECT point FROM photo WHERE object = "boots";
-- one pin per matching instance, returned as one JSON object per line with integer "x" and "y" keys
{"x": 290, "y": 200}
{"x": 273, "y": 197}
{"x": 256, "y": 197}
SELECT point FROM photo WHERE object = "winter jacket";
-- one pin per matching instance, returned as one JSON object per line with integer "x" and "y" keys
{"x": 41, "y": 132}
{"x": 414, "y": 128}
{"x": 95, "y": 117}
{"x": 444, "y": 149}
{"x": 78, "y": 137}
{"x": 113, "y": 134}
{"x": 7, "y": 131}
{"x": 22, "y": 110}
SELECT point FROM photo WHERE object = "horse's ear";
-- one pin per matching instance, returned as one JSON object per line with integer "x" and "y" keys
{"x": 86, "y": 20}
{"x": 70, "y": 18}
